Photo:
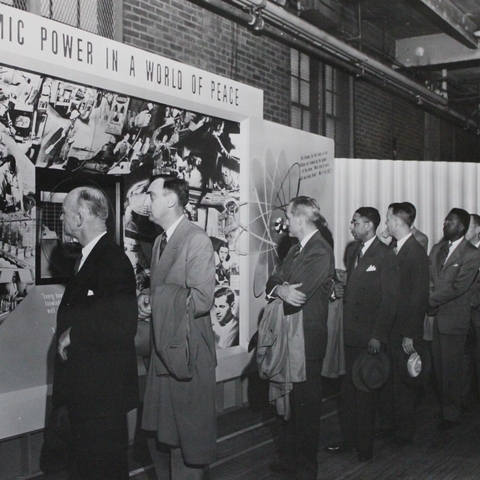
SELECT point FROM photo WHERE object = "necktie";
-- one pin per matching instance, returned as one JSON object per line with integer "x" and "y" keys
{"x": 395, "y": 247}
{"x": 359, "y": 254}
{"x": 445, "y": 255}
{"x": 163, "y": 244}
{"x": 298, "y": 248}
{"x": 76, "y": 268}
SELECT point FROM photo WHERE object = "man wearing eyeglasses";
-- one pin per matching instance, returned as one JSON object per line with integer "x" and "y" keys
{"x": 369, "y": 303}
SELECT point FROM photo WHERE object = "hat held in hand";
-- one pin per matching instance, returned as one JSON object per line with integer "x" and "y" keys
{"x": 416, "y": 367}
{"x": 370, "y": 372}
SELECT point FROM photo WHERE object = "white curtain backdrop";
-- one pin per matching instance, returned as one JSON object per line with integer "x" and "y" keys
{"x": 433, "y": 187}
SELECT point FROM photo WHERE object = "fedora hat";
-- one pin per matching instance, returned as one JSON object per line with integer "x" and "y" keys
{"x": 369, "y": 371}
{"x": 414, "y": 369}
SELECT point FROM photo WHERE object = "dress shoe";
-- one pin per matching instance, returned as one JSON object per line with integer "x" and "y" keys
{"x": 334, "y": 449}
{"x": 400, "y": 442}
{"x": 446, "y": 425}
{"x": 365, "y": 456}
{"x": 283, "y": 467}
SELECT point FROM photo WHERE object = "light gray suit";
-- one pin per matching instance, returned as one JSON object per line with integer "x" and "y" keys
{"x": 183, "y": 412}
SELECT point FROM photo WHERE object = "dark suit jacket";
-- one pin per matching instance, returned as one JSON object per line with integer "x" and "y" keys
{"x": 313, "y": 267}
{"x": 475, "y": 291}
{"x": 371, "y": 294}
{"x": 100, "y": 306}
{"x": 183, "y": 412}
{"x": 421, "y": 238}
{"x": 451, "y": 286}
{"x": 414, "y": 290}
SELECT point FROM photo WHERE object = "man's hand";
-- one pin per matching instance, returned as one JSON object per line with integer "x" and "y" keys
{"x": 385, "y": 237}
{"x": 291, "y": 294}
{"x": 407, "y": 345}
{"x": 374, "y": 346}
{"x": 63, "y": 343}
{"x": 338, "y": 290}
{"x": 144, "y": 307}
{"x": 432, "y": 311}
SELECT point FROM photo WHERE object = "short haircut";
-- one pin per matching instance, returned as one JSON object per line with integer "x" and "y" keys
{"x": 462, "y": 215}
{"x": 225, "y": 292}
{"x": 404, "y": 211}
{"x": 475, "y": 219}
{"x": 414, "y": 210}
{"x": 176, "y": 185}
{"x": 94, "y": 201}
{"x": 306, "y": 207}
{"x": 371, "y": 214}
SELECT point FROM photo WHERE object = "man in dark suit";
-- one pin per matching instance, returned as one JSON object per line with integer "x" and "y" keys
{"x": 369, "y": 305}
{"x": 454, "y": 265}
{"x": 303, "y": 281}
{"x": 406, "y": 337}
{"x": 473, "y": 236}
{"x": 96, "y": 366}
{"x": 180, "y": 408}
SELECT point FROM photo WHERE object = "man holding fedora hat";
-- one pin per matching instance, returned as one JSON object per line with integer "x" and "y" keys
{"x": 454, "y": 265}
{"x": 405, "y": 344}
{"x": 369, "y": 306}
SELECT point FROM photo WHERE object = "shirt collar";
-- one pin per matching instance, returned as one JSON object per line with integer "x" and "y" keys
{"x": 454, "y": 245}
{"x": 87, "y": 249}
{"x": 171, "y": 228}
{"x": 367, "y": 244}
{"x": 401, "y": 242}
{"x": 306, "y": 239}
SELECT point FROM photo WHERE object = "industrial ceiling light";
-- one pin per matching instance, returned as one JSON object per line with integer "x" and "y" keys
{"x": 476, "y": 33}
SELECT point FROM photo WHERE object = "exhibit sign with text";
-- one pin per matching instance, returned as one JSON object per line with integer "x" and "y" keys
{"x": 35, "y": 43}
{"x": 75, "y": 109}
{"x": 284, "y": 163}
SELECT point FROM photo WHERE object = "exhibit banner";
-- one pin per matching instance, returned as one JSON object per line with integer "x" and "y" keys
{"x": 35, "y": 43}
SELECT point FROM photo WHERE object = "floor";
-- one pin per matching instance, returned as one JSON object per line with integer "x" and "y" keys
{"x": 246, "y": 446}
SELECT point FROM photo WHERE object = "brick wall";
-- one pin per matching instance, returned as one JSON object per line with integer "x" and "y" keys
{"x": 386, "y": 127}
{"x": 187, "y": 33}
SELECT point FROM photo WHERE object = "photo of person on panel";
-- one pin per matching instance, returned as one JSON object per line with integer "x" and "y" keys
{"x": 225, "y": 320}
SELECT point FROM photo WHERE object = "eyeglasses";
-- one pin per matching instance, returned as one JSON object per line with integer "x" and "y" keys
{"x": 356, "y": 224}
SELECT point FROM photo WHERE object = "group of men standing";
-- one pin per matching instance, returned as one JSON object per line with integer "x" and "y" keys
{"x": 389, "y": 290}
{"x": 393, "y": 287}
{"x": 96, "y": 366}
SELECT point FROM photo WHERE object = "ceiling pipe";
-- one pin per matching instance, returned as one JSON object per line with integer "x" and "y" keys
{"x": 331, "y": 49}
{"x": 284, "y": 19}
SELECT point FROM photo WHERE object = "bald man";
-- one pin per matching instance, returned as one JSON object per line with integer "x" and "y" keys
{"x": 96, "y": 367}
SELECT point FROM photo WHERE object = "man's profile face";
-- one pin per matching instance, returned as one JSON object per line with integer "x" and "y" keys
{"x": 68, "y": 216}
{"x": 155, "y": 203}
{"x": 472, "y": 233}
{"x": 223, "y": 310}
{"x": 292, "y": 223}
{"x": 390, "y": 222}
{"x": 359, "y": 227}
{"x": 452, "y": 227}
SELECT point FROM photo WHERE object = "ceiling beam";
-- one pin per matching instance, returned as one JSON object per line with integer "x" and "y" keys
{"x": 431, "y": 50}
{"x": 449, "y": 18}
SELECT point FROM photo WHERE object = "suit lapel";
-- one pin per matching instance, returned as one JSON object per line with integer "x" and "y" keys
{"x": 404, "y": 252}
{"x": 296, "y": 260}
{"x": 440, "y": 256}
{"x": 160, "y": 271}
{"x": 360, "y": 269}
{"x": 88, "y": 268}
{"x": 457, "y": 253}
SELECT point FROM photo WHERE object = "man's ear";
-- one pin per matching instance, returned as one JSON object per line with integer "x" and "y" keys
{"x": 80, "y": 218}
{"x": 171, "y": 200}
